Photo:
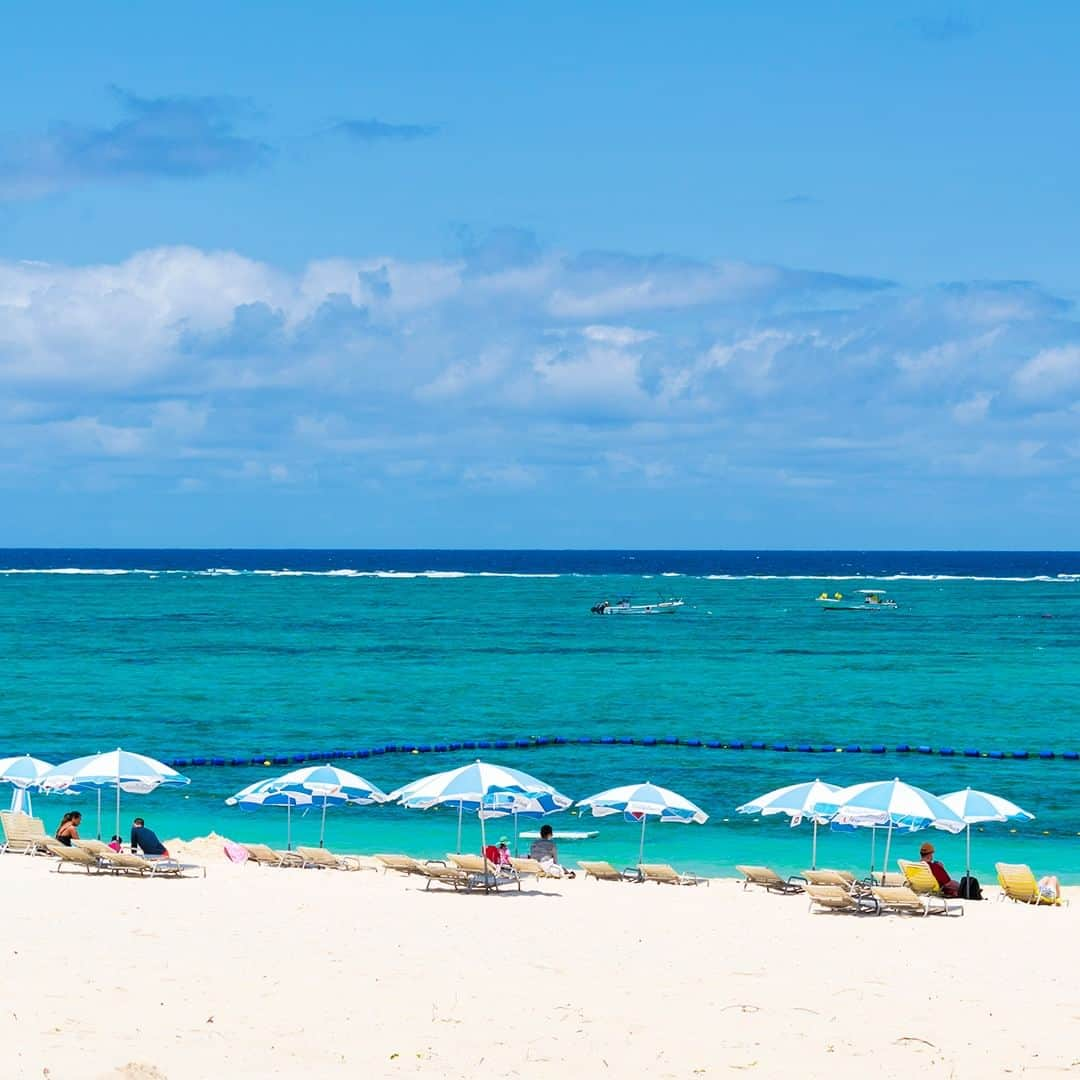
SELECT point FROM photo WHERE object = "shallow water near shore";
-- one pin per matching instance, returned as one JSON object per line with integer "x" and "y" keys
{"x": 237, "y": 654}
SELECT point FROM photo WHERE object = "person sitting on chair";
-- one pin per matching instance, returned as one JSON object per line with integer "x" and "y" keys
{"x": 145, "y": 840}
{"x": 941, "y": 875}
{"x": 546, "y": 854}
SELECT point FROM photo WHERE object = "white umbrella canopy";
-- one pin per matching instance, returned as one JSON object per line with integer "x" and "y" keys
{"x": 797, "y": 801}
{"x": 329, "y": 785}
{"x": 973, "y": 807}
{"x": 892, "y": 804}
{"x": 122, "y": 769}
{"x": 639, "y": 802}
{"x": 270, "y": 793}
{"x": 484, "y": 789}
{"x": 22, "y": 773}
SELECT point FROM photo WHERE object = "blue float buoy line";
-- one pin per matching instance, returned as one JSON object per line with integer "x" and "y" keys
{"x": 534, "y": 742}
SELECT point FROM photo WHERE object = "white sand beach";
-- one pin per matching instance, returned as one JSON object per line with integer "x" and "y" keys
{"x": 255, "y": 972}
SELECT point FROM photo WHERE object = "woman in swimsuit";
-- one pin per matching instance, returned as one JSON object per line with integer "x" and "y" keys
{"x": 69, "y": 828}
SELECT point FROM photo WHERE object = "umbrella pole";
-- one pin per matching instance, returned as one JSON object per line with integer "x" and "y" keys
{"x": 641, "y": 846}
{"x": 117, "y": 833}
{"x": 888, "y": 844}
{"x": 873, "y": 848}
{"x": 322, "y": 828}
{"x": 969, "y": 849}
{"x": 813, "y": 850}
{"x": 515, "y": 834}
{"x": 288, "y": 826}
{"x": 483, "y": 848}
{"x": 99, "y": 813}
{"x": 458, "y": 849}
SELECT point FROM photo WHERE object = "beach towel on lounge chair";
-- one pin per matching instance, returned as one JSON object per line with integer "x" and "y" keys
{"x": 770, "y": 880}
{"x": 263, "y": 855}
{"x": 236, "y": 853}
{"x": 839, "y": 898}
{"x": 73, "y": 857}
{"x": 327, "y": 860}
{"x": 904, "y": 900}
{"x": 663, "y": 874}
{"x": 604, "y": 871}
{"x": 1018, "y": 883}
{"x": 23, "y": 834}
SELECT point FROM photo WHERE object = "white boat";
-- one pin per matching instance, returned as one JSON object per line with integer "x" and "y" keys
{"x": 568, "y": 835}
{"x": 872, "y": 600}
{"x": 624, "y": 607}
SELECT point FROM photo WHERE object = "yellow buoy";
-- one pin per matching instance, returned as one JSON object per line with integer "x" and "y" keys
{"x": 267, "y": 761}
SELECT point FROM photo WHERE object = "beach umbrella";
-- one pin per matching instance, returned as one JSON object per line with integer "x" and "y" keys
{"x": 797, "y": 801}
{"x": 331, "y": 785}
{"x": 22, "y": 773}
{"x": 126, "y": 771}
{"x": 483, "y": 789}
{"x": 639, "y": 802}
{"x": 892, "y": 804}
{"x": 973, "y": 807}
{"x": 269, "y": 793}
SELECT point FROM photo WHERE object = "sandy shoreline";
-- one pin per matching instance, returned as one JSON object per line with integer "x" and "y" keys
{"x": 257, "y": 972}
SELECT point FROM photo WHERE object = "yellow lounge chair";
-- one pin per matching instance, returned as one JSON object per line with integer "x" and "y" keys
{"x": 604, "y": 871}
{"x": 263, "y": 855}
{"x": 902, "y": 899}
{"x": 839, "y": 898}
{"x": 663, "y": 874}
{"x": 530, "y": 868}
{"x": 843, "y": 878}
{"x": 769, "y": 879}
{"x": 137, "y": 865}
{"x": 23, "y": 834}
{"x": 1018, "y": 883}
{"x": 327, "y": 860}
{"x": 73, "y": 857}
{"x": 920, "y": 878}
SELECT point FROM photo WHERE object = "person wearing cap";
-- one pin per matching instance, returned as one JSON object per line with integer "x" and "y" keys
{"x": 941, "y": 875}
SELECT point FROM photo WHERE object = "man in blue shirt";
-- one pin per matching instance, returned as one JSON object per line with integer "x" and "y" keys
{"x": 145, "y": 840}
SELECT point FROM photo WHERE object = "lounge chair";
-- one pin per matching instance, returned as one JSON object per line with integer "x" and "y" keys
{"x": 24, "y": 834}
{"x": 843, "y": 878}
{"x": 74, "y": 858}
{"x": 1018, "y": 883}
{"x": 327, "y": 860}
{"x": 920, "y": 878}
{"x": 770, "y": 880}
{"x": 889, "y": 880}
{"x": 530, "y": 868}
{"x": 839, "y": 898}
{"x": 403, "y": 864}
{"x": 136, "y": 865}
{"x": 663, "y": 874}
{"x": 902, "y": 899}
{"x": 604, "y": 871}
{"x": 263, "y": 855}
{"x": 439, "y": 873}
{"x": 487, "y": 875}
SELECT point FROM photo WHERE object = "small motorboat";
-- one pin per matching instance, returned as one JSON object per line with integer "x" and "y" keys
{"x": 872, "y": 600}
{"x": 625, "y": 607}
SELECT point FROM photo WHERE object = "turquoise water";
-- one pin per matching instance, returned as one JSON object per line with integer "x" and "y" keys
{"x": 243, "y": 664}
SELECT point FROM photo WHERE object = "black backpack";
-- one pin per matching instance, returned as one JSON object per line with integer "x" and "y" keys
{"x": 970, "y": 889}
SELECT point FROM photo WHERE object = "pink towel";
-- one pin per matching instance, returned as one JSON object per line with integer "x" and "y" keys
{"x": 236, "y": 852}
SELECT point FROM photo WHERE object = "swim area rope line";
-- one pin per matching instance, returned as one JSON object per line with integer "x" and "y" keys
{"x": 537, "y": 742}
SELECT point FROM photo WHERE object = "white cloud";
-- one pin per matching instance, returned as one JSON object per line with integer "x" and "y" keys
{"x": 1050, "y": 373}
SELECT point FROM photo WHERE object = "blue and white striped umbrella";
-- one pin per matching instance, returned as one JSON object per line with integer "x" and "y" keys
{"x": 639, "y": 802}
{"x": 330, "y": 785}
{"x": 797, "y": 801}
{"x": 890, "y": 803}
{"x": 122, "y": 769}
{"x": 973, "y": 807}
{"x": 22, "y": 773}
{"x": 484, "y": 789}
{"x": 270, "y": 793}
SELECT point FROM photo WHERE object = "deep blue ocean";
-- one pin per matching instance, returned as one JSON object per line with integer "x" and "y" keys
{"x": 268, "y": 654}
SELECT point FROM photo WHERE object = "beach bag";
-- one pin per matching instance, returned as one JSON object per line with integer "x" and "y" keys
{"x": 970, "y": 889}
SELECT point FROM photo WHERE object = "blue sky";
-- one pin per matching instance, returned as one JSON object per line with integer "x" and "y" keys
{"x": 717, "y": 275}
